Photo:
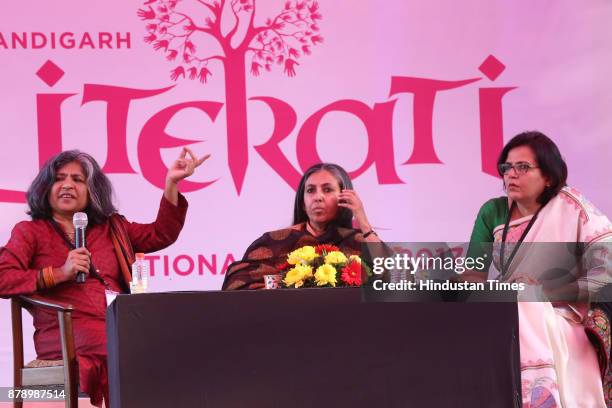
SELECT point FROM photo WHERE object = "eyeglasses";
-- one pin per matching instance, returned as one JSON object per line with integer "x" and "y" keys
{"x": 520, "y": 168}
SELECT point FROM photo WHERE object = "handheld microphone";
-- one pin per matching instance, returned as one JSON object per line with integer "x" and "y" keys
{"x": 79, "y": 220}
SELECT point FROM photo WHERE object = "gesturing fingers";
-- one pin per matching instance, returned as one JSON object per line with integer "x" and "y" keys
{"x": 202, "y": 160}
{"x": 349, "y": 199}
{"x": 185, "y": 165}
{"x": 194, "y": 162}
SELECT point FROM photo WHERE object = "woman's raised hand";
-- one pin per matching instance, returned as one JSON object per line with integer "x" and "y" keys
{"x": 185, "y": 165}
{"x": 350, "y": 199}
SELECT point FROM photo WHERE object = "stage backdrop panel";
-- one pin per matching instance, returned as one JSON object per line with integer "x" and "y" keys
{"x": 414, "y": 98}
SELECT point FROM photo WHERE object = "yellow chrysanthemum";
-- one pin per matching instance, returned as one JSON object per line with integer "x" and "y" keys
{"x": 302, "y": 255}
{"x": 335, "y": 257}
{"x": 355, "y": 258}
{"x": 305, "y": 270}
{"x": 297, "y": 275}
{"x": 325, "y": 274}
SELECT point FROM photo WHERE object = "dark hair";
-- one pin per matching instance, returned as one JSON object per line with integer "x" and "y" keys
{"x": 548, "y": 158}
{"x": 344, "y": 217}
{"x": 100, "y": 191}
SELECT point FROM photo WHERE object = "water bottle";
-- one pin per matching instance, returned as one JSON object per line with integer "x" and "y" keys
{"x": 144, "y": 273}
{"x": 140, "y": 275}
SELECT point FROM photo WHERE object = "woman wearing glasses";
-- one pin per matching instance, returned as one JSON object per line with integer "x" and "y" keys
{"x": 564, "y": 342}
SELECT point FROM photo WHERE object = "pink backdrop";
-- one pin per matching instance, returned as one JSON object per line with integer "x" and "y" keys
{"x": 414, "y": 98}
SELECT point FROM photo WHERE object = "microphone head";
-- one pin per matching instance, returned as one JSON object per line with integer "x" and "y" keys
{"x": 79, "y": 220}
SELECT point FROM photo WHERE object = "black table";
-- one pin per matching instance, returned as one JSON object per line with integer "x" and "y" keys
{"x": 309, "y": 348}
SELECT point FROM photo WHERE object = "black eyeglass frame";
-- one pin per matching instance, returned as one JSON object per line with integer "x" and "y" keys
{"x": 520, "y": 168}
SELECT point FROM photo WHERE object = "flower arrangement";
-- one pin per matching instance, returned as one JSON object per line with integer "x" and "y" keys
{"x": 321, "y": 265}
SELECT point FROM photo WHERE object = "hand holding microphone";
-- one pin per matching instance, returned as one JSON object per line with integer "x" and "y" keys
{"x": 77, "y": 264}
{"x": 81, "y": 260}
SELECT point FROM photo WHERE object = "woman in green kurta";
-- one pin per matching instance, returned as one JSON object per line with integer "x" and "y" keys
{"x": 564, "y": 345}
{"x": 492, "y": 214}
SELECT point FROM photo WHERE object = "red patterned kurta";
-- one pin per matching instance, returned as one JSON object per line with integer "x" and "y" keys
{"x": 36, "y": 244}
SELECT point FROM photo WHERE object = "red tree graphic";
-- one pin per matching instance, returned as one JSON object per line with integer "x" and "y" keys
{"x": 197, "y": 33}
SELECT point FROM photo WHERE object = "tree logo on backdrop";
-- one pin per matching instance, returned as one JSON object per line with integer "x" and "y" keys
{"x": 198, "y": 33}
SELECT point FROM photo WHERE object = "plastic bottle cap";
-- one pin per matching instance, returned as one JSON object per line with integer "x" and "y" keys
{"x": 140, "y": 255}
